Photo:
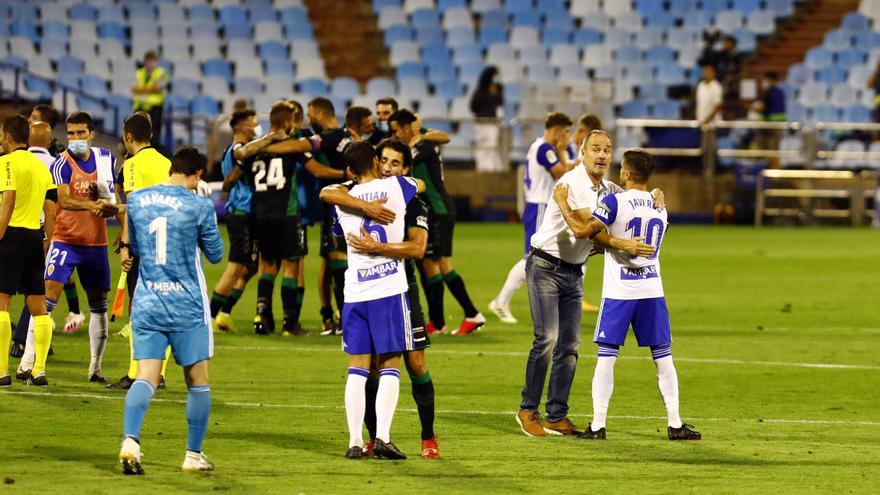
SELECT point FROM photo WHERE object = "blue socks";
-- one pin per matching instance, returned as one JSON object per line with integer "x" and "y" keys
{"x": 198, "y": 408}
{"x": 136, "y": 402}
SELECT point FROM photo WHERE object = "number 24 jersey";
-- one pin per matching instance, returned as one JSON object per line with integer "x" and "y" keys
{"x": 273, "y": 180}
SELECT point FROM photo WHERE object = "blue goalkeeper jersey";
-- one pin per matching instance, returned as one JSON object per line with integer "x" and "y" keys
{"x": 169, "y": 229}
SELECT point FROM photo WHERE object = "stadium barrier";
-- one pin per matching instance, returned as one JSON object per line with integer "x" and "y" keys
{"x": 806, "y": 186}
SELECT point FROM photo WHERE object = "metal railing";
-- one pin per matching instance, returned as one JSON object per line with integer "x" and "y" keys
{"x": 805, "y": 186}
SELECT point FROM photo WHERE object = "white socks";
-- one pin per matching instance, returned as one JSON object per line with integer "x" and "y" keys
{"x": 515, "y": 278}
{"x": 30, "y": 353}
{"x": 98, "y": 328}
{"x": 603, "y": 386}
{"x": 355, "y": 405}
{"x": 386, "y": 402}
{"x": 667, "y": 380}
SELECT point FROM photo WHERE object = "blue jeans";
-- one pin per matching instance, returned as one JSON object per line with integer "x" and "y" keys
{"x": 555, "y": 295}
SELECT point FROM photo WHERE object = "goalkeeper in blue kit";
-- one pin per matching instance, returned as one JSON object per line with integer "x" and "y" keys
{"x": 170, "y": 227}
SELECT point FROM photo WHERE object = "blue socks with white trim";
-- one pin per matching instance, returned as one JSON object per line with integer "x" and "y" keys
{"x": 136, "y": 402}
{"x": 198, "y": 408}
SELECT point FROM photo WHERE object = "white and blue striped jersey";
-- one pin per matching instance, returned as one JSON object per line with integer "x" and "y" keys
{"x": 538, "y": 183}
{"x": 170, "y": 228}
{"x": 370, "y": 277}
{"x": 632, "y": 214}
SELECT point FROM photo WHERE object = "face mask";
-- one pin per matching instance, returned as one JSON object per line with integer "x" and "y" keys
{"x": 78, "y": 147}
{"x": 258, "y": 131}
{"x": 366, "y": 137}
{"x": 382, "y": 125}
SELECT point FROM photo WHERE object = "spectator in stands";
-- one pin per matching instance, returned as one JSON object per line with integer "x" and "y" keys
{"x": 149, "y": 92}
{"x": 709, "y": 98}
{"x": 486, "y": 103}
{"x": 772, "y": 107}
{"x": 728, "y": 62}
{"x": 48, "y": 114}
{"x": 221, "y": 134}
{"x": 874, "y": 83}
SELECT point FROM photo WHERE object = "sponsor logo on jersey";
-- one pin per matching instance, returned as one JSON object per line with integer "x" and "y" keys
{"x": 86, "y": 189}
{"x": 642, "y": 273}
{"x": 8, "y": 174}
{"x": 376, "y": 272}
{"x": 422, "y": 221}
{"x": 164, "y": 287}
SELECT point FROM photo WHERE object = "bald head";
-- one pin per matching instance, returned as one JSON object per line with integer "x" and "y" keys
{"x": 41, "y": 135}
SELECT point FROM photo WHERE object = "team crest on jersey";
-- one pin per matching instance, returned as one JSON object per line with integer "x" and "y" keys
{"x": 422, "y": 221}
{"x": 551, "y": 156}
{"x": 50, "y": 270}
{"x": 376, "y": 272}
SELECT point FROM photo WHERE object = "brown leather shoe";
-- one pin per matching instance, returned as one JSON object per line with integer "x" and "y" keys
{"x": 562, "y": 427}
{"x": 530, "y": 423}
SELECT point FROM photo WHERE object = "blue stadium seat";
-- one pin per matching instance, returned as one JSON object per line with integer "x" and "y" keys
{"x": 344, "y": 87}
{"x": 855, "y": 21}
{"x": 527, "y": 18}
{"x": 817, "y": 58}
{"x": 429, "y": 34}
{"x": 380, "y": 4}
{"x": 24, "y": 28}
{"x": 666, "y": 109}
{"x": 635, "y": 109}
{"x": 312, "y": 86}
{"x": 469, "y": 73}
{"x": 137, "y": 11}
{"x": 248, "y": 86}
{"x": 241, "y": 30}
{"x": 660, "y": 53}
{"x": 649, "y": 36}
{"x": 813, "y": 94}
{"x": 413, "y": 86}
{"x": 799, "y": 74}
{"x": 746, "y": 41}
{"x": 650, "y": 91}
{"x": 94, "y": 85}
{"x": 825, "y": 113}
{"x": 699, "y": 19}
{"x": 205, "y": 106}
{"x": 518, "y": 5}
{"x": 411, "y": 69}
{"x": 670, "y": 73}
{"x": 629, "y": 21}
{"x": 663, "y": 20}
{"x": 82, "y": 12}
{"x": 111, "y": 13}
{"x": 38, "y": 87}
{"x": 217, "y": 67}
{"x": 782, "y": 8}
{"x": 201, "y": 13}
{"x": 552, "y": 8}
{"x": 587, "y": 36}
{"x": 68, "y": 80}
{"x": 279, "y": 67}
{"x": 761, "y": 22}
{"x": 433, "y": 107}
{"x": 682, "y": 6}
{"x": 728, "y": 20}
{"x": 461, "y": 36}
{"x": 850, "y": 57}
{"x": 746, "y": 6}
{"x": 485, "y": 5}
{"x": 185, "y": 88}
{"x": 298, "y": 14}
{"x": 857, "y": 113}
{"x": 838, "y": 39}
{"x": 867, "y": 39}
{"x": 272, "y": 50}
{"x": 425, "y": 17}
{"x": 232, "y": 14}
{"x": 572, "y": 75}
{"x": 553, "y": 37}
{"x": 628, "y": 54}
{"x": 435, "y": 52}
{"x": 449, "y": 89}
{"x": 381, "y": 86}
{"x": 262, "y": 14}
{"x": 58, "y": 30}
{"x": 69, "y": 65}
{"x": 491, "y": 35}
{"x": 444, "y": 5}
{"x": 112, "y": 30}
{"x": 615, "y": 38}
{"x": 467, "y": 54}
{"x": 493, "y": 18}
{"x": 649, "y": 7}
{"x": 713, "y": 7}
{"x": 398, "y": 33}
{"x": 53, "y": 48}
{"x": 24, "y": 11}
{"x": 441, "y": 71}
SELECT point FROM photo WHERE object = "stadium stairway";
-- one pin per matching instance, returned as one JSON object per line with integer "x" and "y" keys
{"x": 349, "y": 38}
{"x": 795, "y": 35}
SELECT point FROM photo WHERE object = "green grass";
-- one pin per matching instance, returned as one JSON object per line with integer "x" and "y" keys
{"x": 749, "y": 308}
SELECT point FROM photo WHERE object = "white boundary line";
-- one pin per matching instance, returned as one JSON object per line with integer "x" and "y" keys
{"x": 257, "y": 405}
{"x": 591, "y": 356}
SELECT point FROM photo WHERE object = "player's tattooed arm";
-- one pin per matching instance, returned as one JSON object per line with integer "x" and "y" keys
{"x": 289, "y": 146}
{"x": 413, "y": 249}
{"x": 337, "y": 195}
{"x": 321, "y": 171}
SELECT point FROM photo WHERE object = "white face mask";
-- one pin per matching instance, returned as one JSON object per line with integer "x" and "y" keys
{"x": 258, "y": 131}
{"x": 78, "y": 147}
{"x": 382, "y": 125}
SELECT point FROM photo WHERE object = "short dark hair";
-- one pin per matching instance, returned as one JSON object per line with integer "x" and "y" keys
{"x": 17, "y": 127}
{"x": 398, "y": 146}
{"x": 81, "y": 118}
{"x": 640, "y": 165}
{"x": 297, "y": 110}
{"x": 388, "y": 101}
{"x": 188, "y": 161}
{"x": 48, "y": 114}
{"x": 359, "y": 157}
{"x": 403, "y": 117}
{"x": 281, "y": 112}
{"x": 323, "y": 105}
{"x": 139, "y": 127}
{"x": 151, "y": 55}
{"x": 241, "y": 116}
{"x": 590, "y": 121}
{"x": 355, "y": 114}
{"x": 557, "y": 119}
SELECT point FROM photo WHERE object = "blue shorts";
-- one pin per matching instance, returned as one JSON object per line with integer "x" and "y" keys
{"x": 381, "y": 326}
{"x": 533, "y": 214}
{"x": 188, "y": 347}
{"x": 90, "y": 262}
{"x": 649, "y": 319}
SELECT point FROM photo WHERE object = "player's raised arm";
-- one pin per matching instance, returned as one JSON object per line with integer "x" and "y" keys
{"x": 337, "y": 195}
{"x": 209, "y": 235}
{"x": 605, "y": 215}
{"x": 260, "y": 145}
{"x": 290, "y": 146}
{"x": 579, "y": 220}
{"x": 321, "y": 171}
{"x": 413, "y": 249}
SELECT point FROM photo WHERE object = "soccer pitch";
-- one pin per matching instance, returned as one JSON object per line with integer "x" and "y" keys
{"x": 775, "y": 332}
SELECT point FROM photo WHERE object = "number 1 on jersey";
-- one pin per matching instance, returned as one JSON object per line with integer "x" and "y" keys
{"x": 159, "y": 226}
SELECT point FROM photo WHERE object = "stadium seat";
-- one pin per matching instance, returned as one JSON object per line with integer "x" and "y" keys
{"x": 541, "y": 73}
{"x": 185, "y": 88}
{"x": 857, "y": 113}
{"x": 69, "y": 65}
{"x": 527, "y": 18}
{"x": 500, "y": 53}
{"x": 449, "y": 89}
{"x": 278, "y": 87}
{"x": 781, "y": 8}
{"x": 596, "y": 20}
{"x": 433, "y": 107}
{"x": 843, "y": 95}
{"x": 491, "y": 35}
{"x": 848, "y": 146}
{"x": 413, "y": 5}
{"x": 82, "y": 12}
{"x": 831, "y": 75}
{"x": 635, "y": 109}
{"x": 344, "y": 87}
{"x": 629, "y": 21}
{"x": 850, "y": 57}
{"x": 746, "y": 6}
{"x": 53, "y": 48}
{"x": 813, "y": 94}
{"x": 521, "y": 36}
{"x": 217, "y": 67}
{"x": 728, "y": 20}
{"x": 279, "y": 67}
{"x": 412, "y": 69}
{"x": 425, "y": 18}
{"x": 761, "y": 22}
{"x": 572, "y": 75}
{"x": 596, "y": 56}
{"x": 247, "y": 86}
{"x": 818, "y": 58}
{"x": 615, "y": 38}
{"x": 561, "y": 55}
{"x": 94, "y": 85}
{"x": 582, "y": 8}
{"x": 460, "y": 36}
{"x": 398, "y": 33}
{"x": 587, "y": 36}
{"x": 855, "y": 21}
{"x": 494, "y": 18}
{"x": 648, "y": 37}
{"x": 858, "y": 76}
{"x": 532, "y": 54}
{"x": 480, "y": 6}
{"x": 660, "y": 54}
{"x": 216, "y": 87}
{"x": 666, "y": 109}
{"x": 404, "y": 51}
{"x": 205, "y": 106}
{"x": 457, "y": 17}
{"x": 799, "y": 74}
{"x": 628, "y": 54}
{"x": 390, "y": 16}
{"x": 381, "y": 86}
{"x": 312, "y": 87}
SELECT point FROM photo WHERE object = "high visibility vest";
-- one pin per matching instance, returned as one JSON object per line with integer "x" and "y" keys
{"x": 148, "y": 101}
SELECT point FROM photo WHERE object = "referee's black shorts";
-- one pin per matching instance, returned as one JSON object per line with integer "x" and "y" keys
{"x": 22, "y": 262}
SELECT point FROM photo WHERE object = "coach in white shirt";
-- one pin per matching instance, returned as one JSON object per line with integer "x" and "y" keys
{"x": 710, "y": 97}
{"x": 554, "y": 274}
{"x": 38, "y": 142}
